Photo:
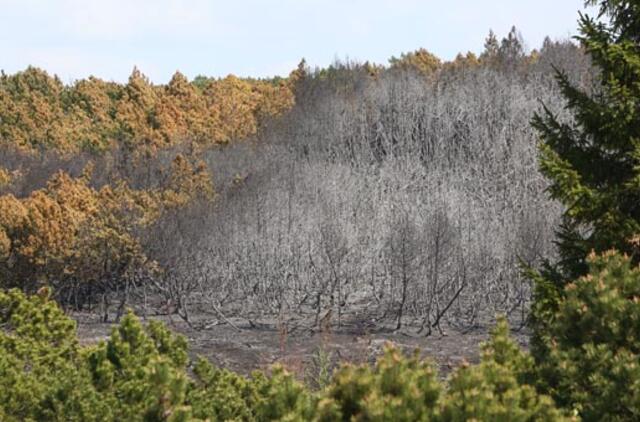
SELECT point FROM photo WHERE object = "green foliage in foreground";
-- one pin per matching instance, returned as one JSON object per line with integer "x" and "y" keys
{"x": 593, "y": 344}
{"x": 400, "y": 389}
{"x": 586, "y": 333}
{"x": 143, "y": 373}
{"x": 140, "y": 374}
{"x": 593, "y": 161}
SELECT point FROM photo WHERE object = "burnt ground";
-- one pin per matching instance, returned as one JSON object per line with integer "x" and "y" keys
{"x": 247, "y": 346}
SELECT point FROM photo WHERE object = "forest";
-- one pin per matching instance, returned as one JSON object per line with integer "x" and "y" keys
{"x": 488, "y": 203}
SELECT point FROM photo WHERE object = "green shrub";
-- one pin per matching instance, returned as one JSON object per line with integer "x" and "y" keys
{"x": 500, "y": 388}
{"x": 46, "y": 375}
{"x": 140, "y": 374}
{"x": 40, "y": 378}
{"x": 219, "y": 394}
{"x": 593, "y": 363}
{"x": 397, "y": 388}
{"x": 401, "y": 389}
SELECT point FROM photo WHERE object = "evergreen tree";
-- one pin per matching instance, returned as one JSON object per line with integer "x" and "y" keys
{"x": 593, "y": 343}
{"x": 593, "y": 162}
{"x": 491, "y": 49}
{"x": 511, "y": 51}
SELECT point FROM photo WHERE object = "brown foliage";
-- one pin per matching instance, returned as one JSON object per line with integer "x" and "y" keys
{"x": 38, "y": 112}
{"x": 70, "y": 232}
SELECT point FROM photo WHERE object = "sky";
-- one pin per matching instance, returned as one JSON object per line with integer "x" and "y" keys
{"x": 260, "y": 38}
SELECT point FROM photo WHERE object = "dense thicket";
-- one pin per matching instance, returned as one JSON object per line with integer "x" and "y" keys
{"x": 84, "y": 241}
{"x": 409, "y": 191}
{"x": 38, "y": 112}
{"x": 391, "y": 195}
{"x": 87, "y": 169}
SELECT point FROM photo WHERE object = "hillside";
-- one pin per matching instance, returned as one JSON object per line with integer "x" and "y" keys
{"x": 273, "y": 249}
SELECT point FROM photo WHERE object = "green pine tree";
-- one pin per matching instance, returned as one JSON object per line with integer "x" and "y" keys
{"x": 593, "y": 344}
{"x": 491, "y": 48}
{"x": 593, "y": 162}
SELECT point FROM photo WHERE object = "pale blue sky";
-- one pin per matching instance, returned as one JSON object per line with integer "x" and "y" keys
{"x": 76, "y": 38}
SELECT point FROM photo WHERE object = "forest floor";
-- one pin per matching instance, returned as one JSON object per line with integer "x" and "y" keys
{"x": 249, "y": 346}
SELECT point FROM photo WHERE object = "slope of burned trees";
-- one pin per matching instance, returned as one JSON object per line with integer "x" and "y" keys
{"x": 386, "y": 197}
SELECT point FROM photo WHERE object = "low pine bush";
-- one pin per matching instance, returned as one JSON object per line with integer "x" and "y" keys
{"x": 141, "y": 374}
{"x": 593, "y": 343}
